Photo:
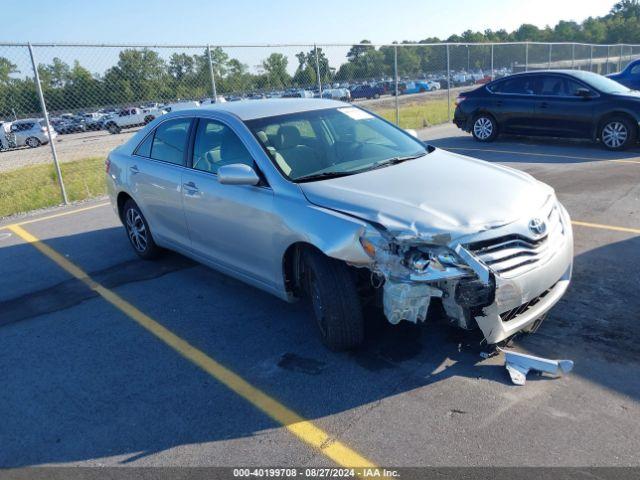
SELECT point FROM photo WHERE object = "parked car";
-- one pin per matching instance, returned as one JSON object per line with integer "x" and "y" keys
{"x": 297, "y": 94}
{"x": 69, "y": 124}
{"x": 366, "y": 91}
{"x": 131, "y": 117}
{"x": 175, "y": 107}
{"x": 557, "y": 103}
{"x": 92, "y": 121}
{"x": 629, "y": 77}
{"x": 5, "y": 130}
{"x": 31, "y": 132}
{"x": 416, "y": 87}
{"x": 294, "y": 197}
{"x": 342, "y": 94}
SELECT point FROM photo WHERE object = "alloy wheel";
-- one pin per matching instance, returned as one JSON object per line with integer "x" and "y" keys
{"x": 32, "y": 142}
{"x": 136, "y": 230}
{"x": 483, "y": 128}
{"x": 615, "y": 134}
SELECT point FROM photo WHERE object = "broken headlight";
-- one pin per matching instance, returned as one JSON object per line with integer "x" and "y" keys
{"x": 438, "y": 257}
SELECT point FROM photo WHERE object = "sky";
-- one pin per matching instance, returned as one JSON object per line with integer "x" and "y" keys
{"x": 252, "y": 22}
{"x": 279, "y": 21}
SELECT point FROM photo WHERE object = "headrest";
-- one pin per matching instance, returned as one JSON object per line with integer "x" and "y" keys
{"x": 288, "y": 136}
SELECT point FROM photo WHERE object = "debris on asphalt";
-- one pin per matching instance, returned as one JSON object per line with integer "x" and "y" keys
{"x": 519, "y": 364}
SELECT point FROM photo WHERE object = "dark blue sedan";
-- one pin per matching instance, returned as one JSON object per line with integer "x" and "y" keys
{"x": 630, "y": 76}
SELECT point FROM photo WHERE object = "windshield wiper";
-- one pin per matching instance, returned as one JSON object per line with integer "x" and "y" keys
{"x": 322, "y": 176}
{"x": 393, "y": 161}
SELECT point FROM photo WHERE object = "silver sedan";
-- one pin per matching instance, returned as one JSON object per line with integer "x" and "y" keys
{"x": 318, "y": 199}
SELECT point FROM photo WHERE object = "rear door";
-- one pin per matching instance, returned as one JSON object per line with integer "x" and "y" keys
{"x": 155, "y": 176}
{"x": 559, "y": 111}
{"x": 512, "y": 104}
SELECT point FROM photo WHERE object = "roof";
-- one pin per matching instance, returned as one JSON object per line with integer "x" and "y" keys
{"x": 271, "y": 107}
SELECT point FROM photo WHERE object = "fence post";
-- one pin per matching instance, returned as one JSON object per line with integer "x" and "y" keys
{"x": 395, "y": 79}
{"x": 492, "y": 70}
{"x": 43, "y": 105}
{"x": 550, "y": 50}
{"x": 620, "y": 57}
{"x": 607, "y": 59}
{"x": 591, "y": 59}
{"x": 448, "y": 86}
{"x": 526, "y": 57}
{"x": 211, "y": 74}
{"x": 315, "y": 48}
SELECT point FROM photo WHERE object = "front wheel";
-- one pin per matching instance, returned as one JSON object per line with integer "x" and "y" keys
{"x": 484, "y": 128}
{"x": 617, "y": 133}
{"x": 148, "y": 119}
{"x": 138, "y": 231}
{"x": 335, "y": 301}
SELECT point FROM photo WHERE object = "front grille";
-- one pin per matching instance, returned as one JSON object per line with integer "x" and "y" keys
{"x": 513, "y": 255}
{"x": 516, "y": 312}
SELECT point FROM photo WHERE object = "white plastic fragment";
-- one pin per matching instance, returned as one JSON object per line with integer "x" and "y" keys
{"x": 519, "y": 364}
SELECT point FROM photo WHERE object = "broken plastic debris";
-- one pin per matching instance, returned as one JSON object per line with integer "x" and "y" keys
{"x": 519, "y": 364}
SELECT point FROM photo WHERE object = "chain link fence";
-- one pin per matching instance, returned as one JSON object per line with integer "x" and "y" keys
{"x": 59, "y": 103}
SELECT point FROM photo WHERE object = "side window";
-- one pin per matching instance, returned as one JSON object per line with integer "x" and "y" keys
{"x": 516, "y": 85}
{"x": 572, "y": 87}
{"x": 144, "y": 149}
{"x": 217, "y": 145}
{"x": 170, "y": 141}
{"x": 635, "y": 70}
{"x": 552, "y": 85}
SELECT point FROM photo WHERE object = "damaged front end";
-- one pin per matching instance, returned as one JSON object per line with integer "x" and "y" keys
{"x": 413, "y": 269}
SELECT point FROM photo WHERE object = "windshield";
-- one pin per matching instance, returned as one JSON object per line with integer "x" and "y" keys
{"x": 332, "y": 142}
{"x": 604, "y": 84}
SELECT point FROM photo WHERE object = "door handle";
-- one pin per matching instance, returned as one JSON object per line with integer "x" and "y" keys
{"x": 134, "y": 169}
{"x": 544, "y": 105}
{"x": 499, "y": 103}
{"x": 190, "y": 188}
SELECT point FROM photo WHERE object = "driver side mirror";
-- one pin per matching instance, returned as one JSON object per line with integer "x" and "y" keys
{"x": 583, "y": 92}
{"x": 237, "y": 174}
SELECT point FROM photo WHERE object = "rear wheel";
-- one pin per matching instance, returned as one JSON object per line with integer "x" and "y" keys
{"x": 149, "y": 119}
{"x": 113, "y": 128}
{"x": 138, "y": 231}
{"x": 617, "y": 133}
{"x": 33, "y": 142}
{"x": 484, "y": 128}
{"x": 335, "y": 301}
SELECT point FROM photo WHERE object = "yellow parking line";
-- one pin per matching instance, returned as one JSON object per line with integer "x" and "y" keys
{"x": 606, "y": 227}
{"x": 304, "y": 429}
{"x": 56, "y": 215}
{"x": 554, "y": 155}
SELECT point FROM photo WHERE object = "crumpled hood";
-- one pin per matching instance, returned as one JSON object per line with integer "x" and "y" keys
{"x": 440, "y": 196}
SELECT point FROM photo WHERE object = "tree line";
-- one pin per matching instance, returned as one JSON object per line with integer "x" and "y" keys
{"x": 142, "y": 75}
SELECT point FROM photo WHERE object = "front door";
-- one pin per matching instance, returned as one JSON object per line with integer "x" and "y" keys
{"x": 231, "y": 226}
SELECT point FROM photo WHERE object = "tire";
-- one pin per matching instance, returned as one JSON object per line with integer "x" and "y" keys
{"x": 335, "y": 301}
{"x": 138, "y": 231}
{"x": 148, "y": 119}
{"x": 33, "y": 142}
{"x": 484, "y": 128}
{"x": 617, "y": 133}
{"x": 113, "y": 128}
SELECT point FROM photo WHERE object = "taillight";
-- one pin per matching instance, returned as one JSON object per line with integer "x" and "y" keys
{"x": 460, "y": 99}
{"x": 107, "y": 165}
